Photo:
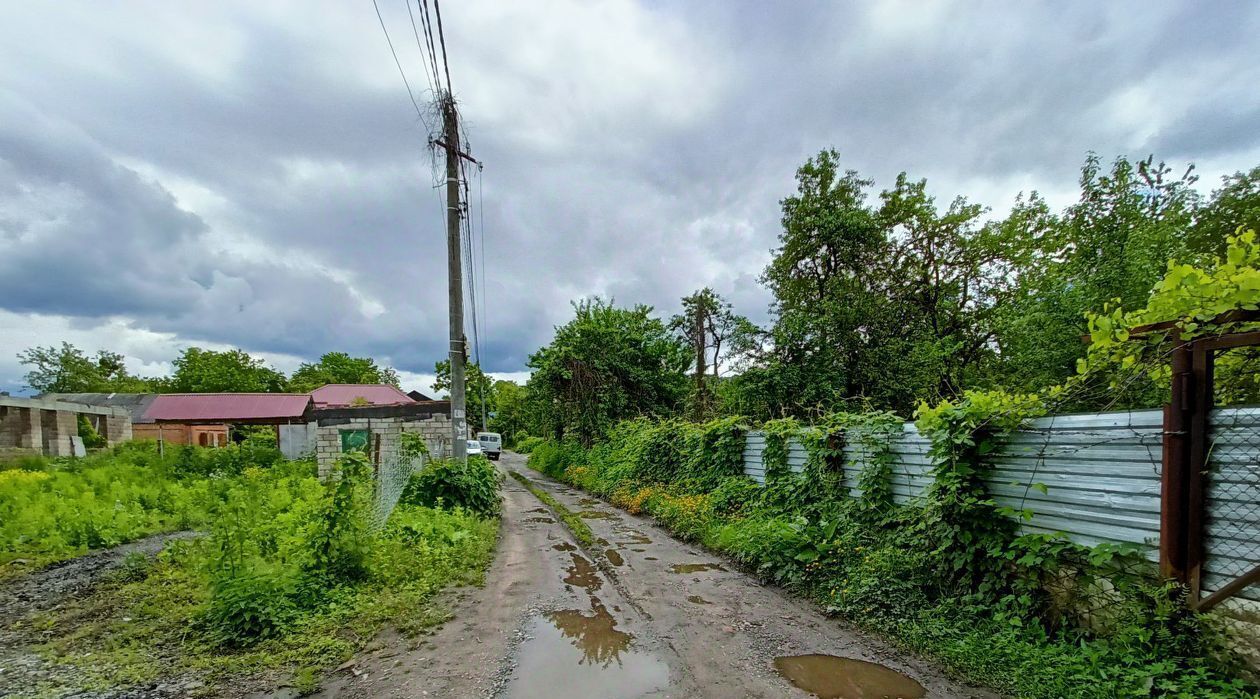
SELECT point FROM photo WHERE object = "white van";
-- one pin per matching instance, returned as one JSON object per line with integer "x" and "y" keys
{"x": 490, "y": 444}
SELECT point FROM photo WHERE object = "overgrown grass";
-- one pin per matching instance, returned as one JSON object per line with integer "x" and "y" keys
{"x": 54, "y": 509}
{"x": 881, "y": 568}
{"x": 137, "y": 631}
{"x": 291, "y": 576}
{"x": 581, "y": 530}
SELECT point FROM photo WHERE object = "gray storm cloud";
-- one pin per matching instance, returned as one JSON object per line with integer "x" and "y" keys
{"x": 254, "y": 174}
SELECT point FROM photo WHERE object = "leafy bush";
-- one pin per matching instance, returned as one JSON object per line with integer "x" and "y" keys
{"x": 552, "y": 458}
{"x": 526, "y": 445}
{"x": 735, "y": 495}
{"x": 473, "y": 485}
{"x": 250, "y": 606}
{"x": 91, "y": 438}
{"x": 341, "y": 541}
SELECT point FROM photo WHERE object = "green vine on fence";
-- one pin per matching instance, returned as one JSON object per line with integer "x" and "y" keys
{"x": 961, "y": 524}
{"x": 778, "y": 435}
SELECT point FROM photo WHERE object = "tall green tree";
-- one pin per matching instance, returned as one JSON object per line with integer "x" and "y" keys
{"x": 827, "y": 292}
{"x": 717, "y": 337}
{"x": 605, "y": 365}
{"x": 948, "y": 276}
{"x": 1235, "y": 205}
{"x": 68, "y": 369}
{"x": 340, "y": 367}
{"x": 478, "y": 393}
{"x": 509, "y": 417}
{"x": 230, "y": 371}
{"x": 1110, "y": 247}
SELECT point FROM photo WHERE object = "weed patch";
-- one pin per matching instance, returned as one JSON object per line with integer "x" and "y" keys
{"x": 581, "y": 531}
{"x": 291, "y": 578}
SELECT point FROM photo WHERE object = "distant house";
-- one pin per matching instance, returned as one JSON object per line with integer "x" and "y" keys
{"x": 420, "y": 397}
{"x": 203, "y": 418}
{"x": 349, "y": 395}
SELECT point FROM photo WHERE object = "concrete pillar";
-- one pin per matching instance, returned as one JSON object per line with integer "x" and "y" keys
{"x": 116, "y": 428}
{"x": 58, "y": 427}
{"x": 27, "y": 428}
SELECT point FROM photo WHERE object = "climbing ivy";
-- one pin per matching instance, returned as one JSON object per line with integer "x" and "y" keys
{"x": 778, "y": 435}
{"x": 961, "y": 525}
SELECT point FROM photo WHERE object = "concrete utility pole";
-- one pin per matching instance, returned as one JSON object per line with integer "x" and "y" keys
{"x": 455, "y": 280}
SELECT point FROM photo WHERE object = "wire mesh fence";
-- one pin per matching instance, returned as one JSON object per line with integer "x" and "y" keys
{"x": 1232, "y": 520}
{"x": 392, "y": 476}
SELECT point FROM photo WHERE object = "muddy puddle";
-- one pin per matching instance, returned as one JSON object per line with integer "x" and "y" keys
{"x": 583, "y": 574}
{"x": 574, "y": 654}
{"x": 564, "y": 546}
{"x": 697, "y": 599}
{"x": 694, "y": 567}
{"x": 614, "y": 557}
{"x": 636, "y": 539}
{"x": 595, "y": 514}
{"x": 538, "y": 511}
{"x": 832, "y": 677}
{"x": 650, "y": 558}
{"x": 589, "y": 502}
{"x": 543, "y": 520}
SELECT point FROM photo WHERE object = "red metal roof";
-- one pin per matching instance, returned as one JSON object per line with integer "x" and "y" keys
{"x": 347, "y": 394}
{"x": 227, "y": 407}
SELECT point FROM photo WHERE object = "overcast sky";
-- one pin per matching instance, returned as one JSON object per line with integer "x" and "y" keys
{"x": 253, "y": 174}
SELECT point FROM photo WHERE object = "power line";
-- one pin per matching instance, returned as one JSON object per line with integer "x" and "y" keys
{"x": 398, "y": 63}
{"x": 442, "y": 39}
{"x": 427, "y": 22}
{"x": 420, "y": 45}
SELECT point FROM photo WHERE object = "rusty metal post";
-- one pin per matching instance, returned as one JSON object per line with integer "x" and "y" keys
{"x": 1172, "y": 508}
{"x": 1202, "y": 365}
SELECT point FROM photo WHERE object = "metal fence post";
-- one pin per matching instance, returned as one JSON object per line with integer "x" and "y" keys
{"x": 1173, "y": 496}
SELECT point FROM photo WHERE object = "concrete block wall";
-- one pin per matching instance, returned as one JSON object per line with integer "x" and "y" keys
{"x": 386, "y": 438}
{"x": 21, "y": 430}
{"x": 39, "y": 426}
{"x": 116, "y": 428}
{"x": 58, "y": 427}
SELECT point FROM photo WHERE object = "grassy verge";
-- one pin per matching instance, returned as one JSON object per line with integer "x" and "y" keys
{"x": 149, "y": 623}
{"x": 290, "y": 579}
{"x": 581, "y": 531}
{"x": 56, "y": 509}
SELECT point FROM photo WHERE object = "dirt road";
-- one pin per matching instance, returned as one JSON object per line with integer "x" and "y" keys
{"x": 639, "y": 615}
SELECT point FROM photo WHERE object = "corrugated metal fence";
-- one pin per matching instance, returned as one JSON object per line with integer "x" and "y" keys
{"x": 1101, "y": 478}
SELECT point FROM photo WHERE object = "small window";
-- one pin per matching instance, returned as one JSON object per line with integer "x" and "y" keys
{"x": 204, "y": 439}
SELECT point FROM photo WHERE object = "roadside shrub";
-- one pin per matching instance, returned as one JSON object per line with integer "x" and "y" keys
{"x": 552, "y": 458}
{"x": 473, "y": 485}
{"x": 341, "y": 540}
{"x": 735, "y": 495}
{"x": 526, "y": 445}
{"x": 249, "y": 606}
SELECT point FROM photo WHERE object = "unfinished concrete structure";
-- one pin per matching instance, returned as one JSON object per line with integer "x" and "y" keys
{"x": 378, "y": 430}
{"x": 50, "y": 427}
